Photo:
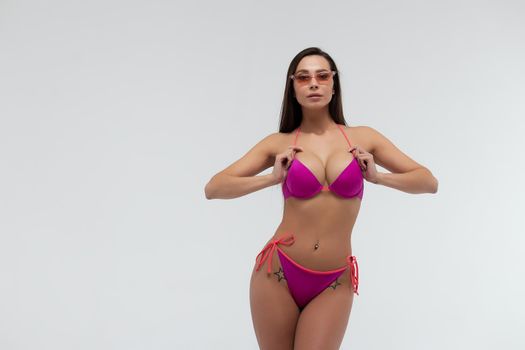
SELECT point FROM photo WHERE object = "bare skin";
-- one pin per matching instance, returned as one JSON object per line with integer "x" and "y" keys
{"x": 325, "y": 220}
{"x": 322, "y": 225}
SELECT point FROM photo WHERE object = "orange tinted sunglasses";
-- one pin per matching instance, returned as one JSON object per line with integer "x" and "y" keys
{"x": 304, "y": 78}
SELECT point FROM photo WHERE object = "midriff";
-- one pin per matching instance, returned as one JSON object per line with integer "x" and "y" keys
{"x": 327, "y": 220}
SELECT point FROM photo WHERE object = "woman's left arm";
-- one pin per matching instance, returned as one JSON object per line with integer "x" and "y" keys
{"x": 405, "y": 174}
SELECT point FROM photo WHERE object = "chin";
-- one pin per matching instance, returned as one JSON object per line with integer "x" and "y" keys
{"x": 314, "y": 106}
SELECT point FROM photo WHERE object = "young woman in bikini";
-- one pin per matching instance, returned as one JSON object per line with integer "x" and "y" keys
{"x": 304, "y": 279}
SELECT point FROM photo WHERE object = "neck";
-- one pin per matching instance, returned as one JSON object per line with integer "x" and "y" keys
{"x": 317, "y": 121}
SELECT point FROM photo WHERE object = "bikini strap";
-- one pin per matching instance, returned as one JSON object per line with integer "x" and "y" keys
{"x": 344, "y": 134}
{"x": 354, "y": 272}
{"x": 296, "y": 135}
{"x": 267, "y": 252}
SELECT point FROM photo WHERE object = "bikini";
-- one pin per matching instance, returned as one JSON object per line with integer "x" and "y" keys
{"x": 305, "y": 284}
{"x": 300, "y": 182}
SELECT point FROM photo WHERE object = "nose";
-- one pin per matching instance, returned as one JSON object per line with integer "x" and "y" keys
{"x": 313, "y": 82}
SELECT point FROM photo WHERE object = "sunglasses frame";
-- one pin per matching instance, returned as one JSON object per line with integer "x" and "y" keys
{"x": 292, "y": 76}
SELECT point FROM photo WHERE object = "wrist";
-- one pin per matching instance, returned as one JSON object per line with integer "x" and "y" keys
{"x": 379, "y": 178}
{"x": 272, "y": 180}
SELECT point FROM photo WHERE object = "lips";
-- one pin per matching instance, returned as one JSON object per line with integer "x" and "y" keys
{"x": 314, "y": 95}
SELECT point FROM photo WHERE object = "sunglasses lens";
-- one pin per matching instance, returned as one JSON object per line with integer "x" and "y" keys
{"x": 303, "y": 78}
{"x": 321, "y": 77}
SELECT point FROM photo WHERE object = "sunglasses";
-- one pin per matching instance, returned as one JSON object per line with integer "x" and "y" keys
{"x": 303, "y": 78}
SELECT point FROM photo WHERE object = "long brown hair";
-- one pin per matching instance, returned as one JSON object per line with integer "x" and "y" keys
{"x": 291, "y": 113}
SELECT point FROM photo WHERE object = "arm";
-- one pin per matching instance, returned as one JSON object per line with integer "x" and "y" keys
{"x": 405, "y": 174}
{"x": 239, "y": 178}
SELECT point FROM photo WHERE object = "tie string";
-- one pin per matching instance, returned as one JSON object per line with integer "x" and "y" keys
{"x": 354, "y": 272}
{"x": 270, "y": 248}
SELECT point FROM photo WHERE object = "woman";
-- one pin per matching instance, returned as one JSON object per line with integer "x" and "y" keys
{"x": 302, "y": 297}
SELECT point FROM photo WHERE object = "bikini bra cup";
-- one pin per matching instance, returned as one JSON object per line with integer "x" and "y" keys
{"x": 300, "y": 182}
{"x": 350, "y": 182}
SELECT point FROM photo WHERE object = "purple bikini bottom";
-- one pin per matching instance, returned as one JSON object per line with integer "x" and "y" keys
{"x": 305, "y": 284}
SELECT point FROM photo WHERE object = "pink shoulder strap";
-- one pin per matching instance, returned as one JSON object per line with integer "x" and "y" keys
{"x": 344, "y": 134}
{"x": 296, "y": 136}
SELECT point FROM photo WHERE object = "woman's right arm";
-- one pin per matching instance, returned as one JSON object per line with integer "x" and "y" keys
{"x": 240, "y": 178}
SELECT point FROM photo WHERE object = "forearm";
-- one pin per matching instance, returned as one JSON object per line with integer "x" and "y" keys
{"x": 419, "y": 180}
{"x": 226, "y": 186}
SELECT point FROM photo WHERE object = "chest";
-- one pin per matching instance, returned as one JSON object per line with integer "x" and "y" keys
{"x": 326, "y": 158}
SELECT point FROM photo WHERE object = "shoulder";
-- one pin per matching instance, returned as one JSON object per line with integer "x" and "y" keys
{"x": 364, "y": 136}
{"x": 367, "y": 131}
{"x": 274, "y": 143}
{"x": 273, "y": 138}
{"x": 372, "y": 133}
{"x": 359, "y": 129}
{"x": 280, "y": 138}
{"x": 376, "y": 139}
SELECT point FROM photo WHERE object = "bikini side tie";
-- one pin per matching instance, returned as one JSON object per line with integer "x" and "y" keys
{"x": 270, "y": 248}
{"x": 354, "y": 272}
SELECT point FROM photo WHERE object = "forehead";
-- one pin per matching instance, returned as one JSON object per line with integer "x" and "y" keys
{"x": 313, "y": 63}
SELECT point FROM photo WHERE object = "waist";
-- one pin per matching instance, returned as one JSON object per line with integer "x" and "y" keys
{"x": 316, "y": 250}
{"x": 319, "y": 226}
{"x": 320, "y": 214}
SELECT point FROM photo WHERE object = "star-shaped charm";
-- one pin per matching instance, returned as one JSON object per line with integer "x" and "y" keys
{"x": 280, "y": 274}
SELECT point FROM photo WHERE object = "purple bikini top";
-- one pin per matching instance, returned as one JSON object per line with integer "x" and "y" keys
{"x": 301, "y": 183}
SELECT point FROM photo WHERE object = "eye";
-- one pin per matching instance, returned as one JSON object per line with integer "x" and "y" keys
{"x": 303, "y": 77}
{"x": 323, "y": 76}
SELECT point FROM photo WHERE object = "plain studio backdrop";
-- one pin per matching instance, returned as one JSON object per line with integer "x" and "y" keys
{"x": 115, "y": 114}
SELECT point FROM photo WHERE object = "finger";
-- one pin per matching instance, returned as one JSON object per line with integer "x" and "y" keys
{"x": 289, "y": 163}
{"x": 361, "y": 161}
{"x": 368, "y": 158}
{"x": 294, "y": 148}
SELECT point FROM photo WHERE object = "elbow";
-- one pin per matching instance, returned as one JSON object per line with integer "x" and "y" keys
{"x": 208, "y": 190}
{"x": 435, "y": 185}
{"x": 431, "y": 183}
{"x": 213, "y": 189}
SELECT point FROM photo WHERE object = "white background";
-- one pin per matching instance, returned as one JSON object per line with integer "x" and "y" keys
{"x": 115, "y": 114}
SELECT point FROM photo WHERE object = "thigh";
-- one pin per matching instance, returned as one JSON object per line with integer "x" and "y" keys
{"x": 322, "y": 323}
{"x": 274, "y": 312}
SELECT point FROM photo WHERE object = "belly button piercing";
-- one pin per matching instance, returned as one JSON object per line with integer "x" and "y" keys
{"x": 316, "y": 245}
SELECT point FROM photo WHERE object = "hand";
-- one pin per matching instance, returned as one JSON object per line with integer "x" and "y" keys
{"x": 366, "y": 163}
{"x": 283, "y": 161}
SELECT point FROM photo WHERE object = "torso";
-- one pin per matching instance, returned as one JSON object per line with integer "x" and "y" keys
{"x": 325, "y": 219}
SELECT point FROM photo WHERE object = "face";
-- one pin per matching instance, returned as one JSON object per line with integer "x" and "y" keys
{"x": 321, "y": 82}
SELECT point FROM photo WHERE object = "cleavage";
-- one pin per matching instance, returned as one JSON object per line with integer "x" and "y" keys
{"x": 335, "y": 164}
